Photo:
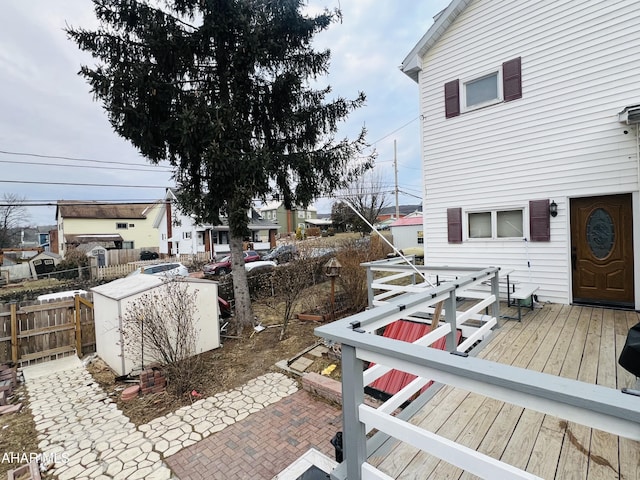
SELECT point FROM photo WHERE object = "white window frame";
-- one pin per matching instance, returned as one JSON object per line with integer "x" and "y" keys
{"x": 420, "y": 237}
{"x": 186, "y": 235}
{"x": 463, "y": 94}
{"x": 494, "y": 224}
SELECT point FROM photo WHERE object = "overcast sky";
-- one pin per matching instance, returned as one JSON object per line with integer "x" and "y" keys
{"x": 46, "y": 108}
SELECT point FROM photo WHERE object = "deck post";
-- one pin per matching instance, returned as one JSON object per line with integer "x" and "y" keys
{"x": 450, "y": 318}
{"x": 495, "y": 291}
{"x": 370, "y": 294}
{"x": 354, "y": 435}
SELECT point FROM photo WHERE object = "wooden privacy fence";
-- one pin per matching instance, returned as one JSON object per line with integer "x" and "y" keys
{"x": 37, "y": 332}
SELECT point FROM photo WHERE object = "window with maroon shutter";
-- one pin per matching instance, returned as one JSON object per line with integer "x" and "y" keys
{"x": 539, "y": 224}
{"x": 454, "y": 225}
{"x": 452, "y": 98}
{"x": 512, "y": 80}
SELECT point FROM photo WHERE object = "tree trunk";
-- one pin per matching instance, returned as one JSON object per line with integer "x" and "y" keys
{"x": 243, "y": 310}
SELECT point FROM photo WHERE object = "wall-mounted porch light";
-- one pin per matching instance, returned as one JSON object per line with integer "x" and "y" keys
{"x": 553, "y": 209}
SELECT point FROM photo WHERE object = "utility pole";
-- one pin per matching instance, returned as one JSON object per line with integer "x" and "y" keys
{"x": 395, "y": 165}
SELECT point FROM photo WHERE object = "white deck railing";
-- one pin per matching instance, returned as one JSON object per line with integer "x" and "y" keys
{"x": 590, "y": 405}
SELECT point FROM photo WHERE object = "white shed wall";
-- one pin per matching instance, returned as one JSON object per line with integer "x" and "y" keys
{"x": 562, "y": 139}
{"x": 406, "y": 236}
{"x": 108, "y": 312}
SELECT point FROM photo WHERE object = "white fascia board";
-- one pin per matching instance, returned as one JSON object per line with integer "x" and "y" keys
{"x": 412, "y": 63}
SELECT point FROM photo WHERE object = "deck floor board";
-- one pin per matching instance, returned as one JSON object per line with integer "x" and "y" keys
{"x": 577, "y": 342}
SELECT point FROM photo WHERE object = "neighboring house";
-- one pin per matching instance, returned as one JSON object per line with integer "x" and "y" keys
{"x": 44, "y": 236}
{"x": 111, "y": 225}
{"x": 530, "y": 115}
{"x": 407, "y": 233}
{"x": 289, "y": 220}
{"x": 321, "y": 223}
{"x": 181, "y": 234}
{"x": 389, "y": 213}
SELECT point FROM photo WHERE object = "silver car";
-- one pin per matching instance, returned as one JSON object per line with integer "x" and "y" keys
{"x": 173, "y": 269}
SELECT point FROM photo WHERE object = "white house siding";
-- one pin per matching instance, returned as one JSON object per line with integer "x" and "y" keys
{"x": 562, "y": 139}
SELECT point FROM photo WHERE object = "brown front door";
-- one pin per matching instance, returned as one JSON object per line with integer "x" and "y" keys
{"x": 602, "y": 250}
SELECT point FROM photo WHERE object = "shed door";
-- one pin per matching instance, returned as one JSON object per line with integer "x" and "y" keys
{"x": 602, "y": 250}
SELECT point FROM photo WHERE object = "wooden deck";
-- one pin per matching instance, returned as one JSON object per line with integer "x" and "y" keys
{"x": 581, "y": 343}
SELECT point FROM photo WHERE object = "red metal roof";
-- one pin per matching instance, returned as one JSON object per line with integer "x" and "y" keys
{"x": 395, "y": 380}
{"x": 406, "y": 221}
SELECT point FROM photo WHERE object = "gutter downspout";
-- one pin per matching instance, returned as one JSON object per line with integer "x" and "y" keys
{"x": 638, "y": 153}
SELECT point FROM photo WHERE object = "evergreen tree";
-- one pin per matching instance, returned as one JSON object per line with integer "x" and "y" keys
{"x": 222, "y": 89}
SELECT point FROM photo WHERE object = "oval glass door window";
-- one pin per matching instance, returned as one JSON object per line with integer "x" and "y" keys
{"x": 600, "y": 233}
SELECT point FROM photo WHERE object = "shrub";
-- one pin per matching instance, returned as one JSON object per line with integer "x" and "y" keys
{"x": 353, "y": 277}
{"x": 74, "y": 265}
{"x": 160, "y": 325}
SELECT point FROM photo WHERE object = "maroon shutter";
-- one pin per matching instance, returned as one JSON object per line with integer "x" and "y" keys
{"x": 512, "y": 80}
{"x": 452, "y": 99}
{"x": 539, "y": 225}
{"x": 454, "y": 225}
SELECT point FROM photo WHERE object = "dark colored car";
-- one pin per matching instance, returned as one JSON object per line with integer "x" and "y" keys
{"x": 223, "y": 266}
{"x": 148, "y": 255}
{"x": 282, "y": 254}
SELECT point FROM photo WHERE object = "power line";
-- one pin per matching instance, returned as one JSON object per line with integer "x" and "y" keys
{"x": 396, "y": 130}
{"x": 62, "y": 203}
{"x": 77, "y": 159}
{"x": 82, "y": 184}
{"x": 87, "y": 166}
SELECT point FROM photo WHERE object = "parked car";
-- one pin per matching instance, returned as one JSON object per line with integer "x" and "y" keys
{"x": 261, "y": 266}
{"x": 162, "y": 269}
{"x": 223, "y": 266}
{"x": 282, "y": 253}
{"x": 148, "y": 255}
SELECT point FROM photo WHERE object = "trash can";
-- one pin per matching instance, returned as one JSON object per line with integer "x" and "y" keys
{"x": 630, "y": 355}
{"x": 336, "y": 441}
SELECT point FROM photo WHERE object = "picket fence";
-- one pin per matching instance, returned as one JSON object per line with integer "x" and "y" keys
{"x": 123, "y": 269}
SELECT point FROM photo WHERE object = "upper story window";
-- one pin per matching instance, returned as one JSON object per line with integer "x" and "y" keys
{"x": 482, "y": 91}
{"x": 186, "y": 235}
{"x": 499, "y": 85}
{"x": 122, "y": 226}
{"x": 301, "y": 214}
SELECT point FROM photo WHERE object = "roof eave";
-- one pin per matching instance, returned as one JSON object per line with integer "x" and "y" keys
{"x": 412, "y": 64}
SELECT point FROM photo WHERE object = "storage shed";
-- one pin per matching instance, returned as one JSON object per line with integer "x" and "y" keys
{"x": 112, "y": 300}
{"x": 43, "y": 263}
{"x": 407, "y": 233}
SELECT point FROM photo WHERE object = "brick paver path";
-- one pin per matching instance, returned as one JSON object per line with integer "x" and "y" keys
{"x": 263, "y": 444}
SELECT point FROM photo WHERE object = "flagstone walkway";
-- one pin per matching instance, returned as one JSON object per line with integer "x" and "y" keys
{"x": 83, "y": 430}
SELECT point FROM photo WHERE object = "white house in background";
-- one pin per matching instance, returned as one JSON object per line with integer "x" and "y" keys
{"x": 181, "y": 234}
{"x": 528, "y": 107}
{"x": 408, "y": 232}
{"x": 112, "y": 300}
